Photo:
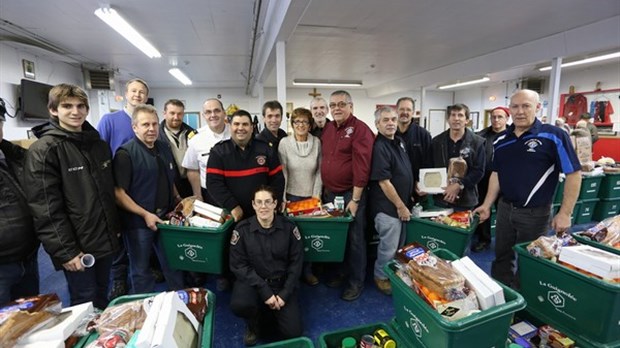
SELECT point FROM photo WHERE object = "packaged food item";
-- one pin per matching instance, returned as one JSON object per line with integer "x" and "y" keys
{"x": 605, "y": 232}
{"x": 196, "y": 300}
{"x": 435, "y": 274}
{"x": 545, "y": 247}
{"x": 457, "y": 168}
{"x": 554, "y": 338}
{"x": 117, "y": 338}
{"x": 383, "y": 340}
{"x": 128, "y": 316}
{"x": 304, "y": 207}
{"x": 23, "y": 316}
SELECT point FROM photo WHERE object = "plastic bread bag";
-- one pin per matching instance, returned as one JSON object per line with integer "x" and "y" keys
{"x": 545, "y": 247}
{"x": 112, "y": 339}
{"x": 435, "y": 274}
{"x": 605, "y": 232}
{"x": 457, "y": 168}
{"x": 23, "y": 316}
{"x": 128, "y": 316}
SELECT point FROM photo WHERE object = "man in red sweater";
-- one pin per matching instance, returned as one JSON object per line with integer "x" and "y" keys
{"x": 345, "y": 169}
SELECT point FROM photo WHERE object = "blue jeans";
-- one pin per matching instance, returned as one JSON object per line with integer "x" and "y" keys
{"x": 91, "y": 284}
{"x": 355, "y": 255}
{"x": 19, "y": 279}
{"x": 140, "y": 242}
{"x": 392, "y": 234}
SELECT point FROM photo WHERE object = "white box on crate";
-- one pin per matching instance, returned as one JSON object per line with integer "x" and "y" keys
{"x": 483, "y": 293}
{"x": 596, "y": 261}
{"x": 489, "y": 282}
{"x": 176, "y": 326}
{"x": 68, "y": 320}
{"x": 145, "y": 336}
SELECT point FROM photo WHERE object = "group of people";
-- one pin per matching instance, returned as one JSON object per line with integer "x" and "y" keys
{"x": 102, "y": 192}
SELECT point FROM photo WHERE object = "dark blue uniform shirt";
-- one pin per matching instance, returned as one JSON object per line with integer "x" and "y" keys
{"x": 528, "y": 167}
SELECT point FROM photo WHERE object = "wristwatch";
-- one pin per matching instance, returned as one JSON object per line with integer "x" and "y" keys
{"x": 355, "y": 200}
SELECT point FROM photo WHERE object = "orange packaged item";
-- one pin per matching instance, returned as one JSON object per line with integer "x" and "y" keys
{"x": 304, "y": 207}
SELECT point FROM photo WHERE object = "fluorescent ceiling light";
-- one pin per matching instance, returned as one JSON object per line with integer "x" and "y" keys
{"x": 327, "y": 83}
{"x": 466, "y": 83}
{"x": 114, "y": 20}
{"x": 586, "y": 61}
{"x": 179, "y": 75}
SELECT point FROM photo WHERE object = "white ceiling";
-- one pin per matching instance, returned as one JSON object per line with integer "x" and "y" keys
{"x": 390, "y": 45}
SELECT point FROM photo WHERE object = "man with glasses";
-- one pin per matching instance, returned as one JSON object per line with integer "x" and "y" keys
{"x": 319, "y": 109}
{"x": 272, "y": 116}
{"x": 239, "y": 165}
{"x": 499, "y": 118}
{"x": 345, "y": 169}
{"x": 199, "y": 146}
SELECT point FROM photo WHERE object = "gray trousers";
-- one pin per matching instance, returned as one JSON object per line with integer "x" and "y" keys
{"x": 515, "y": 225}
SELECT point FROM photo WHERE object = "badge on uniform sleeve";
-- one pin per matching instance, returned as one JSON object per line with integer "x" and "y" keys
{"x": 296, "y": 233}
{"x": 261, "y": 160}
{"x": 235, "y": 237}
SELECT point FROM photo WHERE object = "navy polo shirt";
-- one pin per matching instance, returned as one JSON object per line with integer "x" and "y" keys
{"x": 528, "y": 167}
{"x": 390, "y": 161}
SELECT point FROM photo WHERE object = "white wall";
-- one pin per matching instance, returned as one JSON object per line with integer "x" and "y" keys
{"x": 11, "y": 74}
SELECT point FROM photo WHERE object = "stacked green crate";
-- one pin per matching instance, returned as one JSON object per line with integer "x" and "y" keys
{"x": 609, "y": 194}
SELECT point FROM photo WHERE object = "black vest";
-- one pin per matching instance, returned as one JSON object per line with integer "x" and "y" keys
{"x": 144, "y": 169}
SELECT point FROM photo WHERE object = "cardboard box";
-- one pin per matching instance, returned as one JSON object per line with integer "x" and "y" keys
{"x": 25, "y": 143}
{"x": 485, "y": 296}
{"x": 433, "y": 179}
{"x": 176, "y": 326}
{"x": 69, "y": 319}
{"x": 497, "y": 291}
{"x": 145, "y": 336}
{"x": 596, "y": 261}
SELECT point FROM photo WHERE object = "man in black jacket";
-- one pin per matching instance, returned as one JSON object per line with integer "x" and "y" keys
{"x": 144, "y": 170}
{"x": 459, "y": 142}
{"x": 19, "y": 271}
{"x": 272, "y": 116}
{"x": 70, "y": 190}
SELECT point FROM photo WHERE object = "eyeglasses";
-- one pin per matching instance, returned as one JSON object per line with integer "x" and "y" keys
{"x": 264, "y": 203}
{"x": 341, "y": 105}
{"x": 299, "y": 123}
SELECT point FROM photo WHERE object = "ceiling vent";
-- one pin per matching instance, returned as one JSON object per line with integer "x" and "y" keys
{"x": 536, "y": 85}
{"x": 99, "y": 79}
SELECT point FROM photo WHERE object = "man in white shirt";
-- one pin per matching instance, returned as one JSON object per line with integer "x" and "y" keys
{"x": 199, "y": 146}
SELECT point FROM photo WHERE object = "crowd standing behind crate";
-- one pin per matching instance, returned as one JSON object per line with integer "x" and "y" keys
{"x": 75, "y": 178}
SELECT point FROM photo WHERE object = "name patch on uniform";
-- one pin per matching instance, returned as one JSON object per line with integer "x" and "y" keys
{"x": 235, "y": 237}
{"x": 297, "y": 234}
{"x": 532, "y": 144}
{"x": 261, "y": 160}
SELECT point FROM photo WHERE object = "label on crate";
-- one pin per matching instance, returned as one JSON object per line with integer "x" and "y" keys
{"x": 317, "y": 242}
{"x": 190, "y": 251}
{"x": 433, "y": 243}
{"x": 415, "y": 324}
{"x": 557, "y": 297}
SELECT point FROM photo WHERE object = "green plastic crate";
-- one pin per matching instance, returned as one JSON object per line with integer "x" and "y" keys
{"x": 207, "y": 325}
{"x": 590, "y": 186}
{"x": 584, "y": 240}
{"x": 559, "y": 192}
{"x": 325, "y": 239}
{"x": 556, "y": 207}
{"x": 493, "y": 220}
{"x": 299, "y": 342}
{"x": 610, "y": 186}
{"x": 586, "y": 211}
{"x": 606, "y": 208}
{"x": 334, "y": 339}
{"x": 585, "y": 308}
{"x": 195, "y": 248}
{"x": 425, "y": 327}
{"x": 434, "y": 235}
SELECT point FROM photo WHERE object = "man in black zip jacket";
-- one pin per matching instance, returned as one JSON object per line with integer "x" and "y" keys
{"x": 19, "y": 271}
{"x": 70, "y": 191}
{"x": 461, "y": 193}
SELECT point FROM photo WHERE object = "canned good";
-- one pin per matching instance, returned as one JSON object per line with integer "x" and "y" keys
{"x": 348, "y": 342}
{"x": 383, "y": 340}
{"x": 339, "y": 202}
{"x": 416, "y": 210}
{"x": 367, "y": 341}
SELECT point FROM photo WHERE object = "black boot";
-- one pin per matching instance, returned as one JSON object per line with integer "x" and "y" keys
{"x": 251, "y": 333}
